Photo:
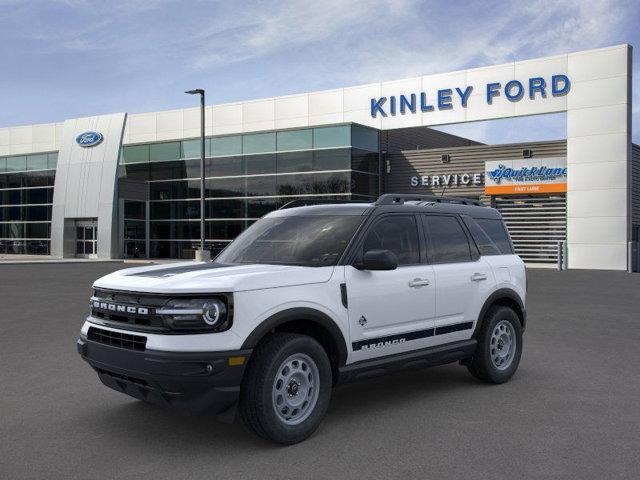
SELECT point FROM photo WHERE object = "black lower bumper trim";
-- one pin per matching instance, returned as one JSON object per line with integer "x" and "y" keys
{"x": 198, "y": 381}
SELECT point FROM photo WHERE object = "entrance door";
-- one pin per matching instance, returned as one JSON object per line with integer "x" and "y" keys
{"x": 87, "y": 239}
{"x": 391, "y": 311}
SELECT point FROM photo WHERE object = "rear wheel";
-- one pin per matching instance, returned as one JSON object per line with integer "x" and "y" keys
{"x": 286, "y": 390}
{"x": 499, "y": 347}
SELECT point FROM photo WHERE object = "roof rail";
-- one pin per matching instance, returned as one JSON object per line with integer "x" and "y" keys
{"x": 311, "y": 201}
{"x": 399, "y": 199}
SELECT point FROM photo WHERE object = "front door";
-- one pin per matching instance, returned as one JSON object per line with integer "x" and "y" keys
{"x": 87, "y": 239}
{"x": 391, "y": 311}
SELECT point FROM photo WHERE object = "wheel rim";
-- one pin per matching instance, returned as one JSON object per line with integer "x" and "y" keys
{"x": 295, "y": 389}
{"x": 503, "y": 345}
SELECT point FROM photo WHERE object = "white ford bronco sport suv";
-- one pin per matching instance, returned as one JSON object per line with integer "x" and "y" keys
{"x": 308, "y": 297}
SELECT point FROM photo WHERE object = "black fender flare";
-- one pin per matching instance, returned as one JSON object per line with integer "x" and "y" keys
{"x": 300, "y": 314}
{"x": 500, "y": 294}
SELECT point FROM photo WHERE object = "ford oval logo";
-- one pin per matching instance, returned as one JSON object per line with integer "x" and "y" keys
{"x": 89, "y": 139}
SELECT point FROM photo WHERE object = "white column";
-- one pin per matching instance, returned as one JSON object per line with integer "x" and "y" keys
{"x": 599, "y": 158}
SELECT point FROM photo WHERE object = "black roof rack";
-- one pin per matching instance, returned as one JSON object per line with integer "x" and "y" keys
{"x": 399, "y": 199}
{"x": 312, "y": 201}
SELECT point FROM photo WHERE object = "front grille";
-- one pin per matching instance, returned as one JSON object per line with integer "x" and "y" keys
{"x": 117, "y": 339}
{"x": 136, "y": 311}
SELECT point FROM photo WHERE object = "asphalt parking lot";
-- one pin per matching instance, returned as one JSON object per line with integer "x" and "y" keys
{"x": 571, "y": 411}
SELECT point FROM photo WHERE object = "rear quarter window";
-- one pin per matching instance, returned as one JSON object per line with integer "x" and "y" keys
{"x": 490, "y": 235}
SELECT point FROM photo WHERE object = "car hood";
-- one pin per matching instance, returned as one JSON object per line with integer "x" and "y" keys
{"x": 196, "y": 277}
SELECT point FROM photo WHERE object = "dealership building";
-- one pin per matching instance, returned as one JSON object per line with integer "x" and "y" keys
{"x": 127, "y": 185}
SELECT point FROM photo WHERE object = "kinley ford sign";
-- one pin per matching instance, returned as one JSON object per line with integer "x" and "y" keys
{"x": 445, "y": 99}
{"x": 503, "y": 177}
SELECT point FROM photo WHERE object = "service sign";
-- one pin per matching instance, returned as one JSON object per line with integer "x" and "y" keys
{"x": 526, "y": 175}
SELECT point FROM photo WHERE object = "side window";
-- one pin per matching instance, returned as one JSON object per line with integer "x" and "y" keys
{"x": 447, "y": 241}
{"x": 484, "y": 243}
{"x": 497, "y": 232}
{"x": 398, "y": 234}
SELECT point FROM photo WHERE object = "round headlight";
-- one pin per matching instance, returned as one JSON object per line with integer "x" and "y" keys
{"x": 213, "y": 312}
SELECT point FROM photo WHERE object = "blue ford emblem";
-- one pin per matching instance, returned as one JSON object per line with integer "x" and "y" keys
{"x": 89, "y": 139}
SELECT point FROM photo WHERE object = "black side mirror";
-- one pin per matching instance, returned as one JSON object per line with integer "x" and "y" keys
{"x": 378, "y": 260}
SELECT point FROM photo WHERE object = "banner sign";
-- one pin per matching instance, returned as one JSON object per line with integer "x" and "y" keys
{"x": 526, "y": 175}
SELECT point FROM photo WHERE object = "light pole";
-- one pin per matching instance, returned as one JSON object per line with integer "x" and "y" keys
{"x": 202, "y": 255}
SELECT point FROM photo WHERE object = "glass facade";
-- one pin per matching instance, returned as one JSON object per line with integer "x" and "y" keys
{"x": 26, "y": 197}
{"x": 247, "y": 176}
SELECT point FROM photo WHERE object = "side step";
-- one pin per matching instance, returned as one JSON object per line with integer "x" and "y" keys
{"x": 426, "y": 357}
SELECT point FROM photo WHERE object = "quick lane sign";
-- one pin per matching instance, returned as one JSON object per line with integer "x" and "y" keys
{"x": 531, "y": 175}
{"x": 445, "y": 99}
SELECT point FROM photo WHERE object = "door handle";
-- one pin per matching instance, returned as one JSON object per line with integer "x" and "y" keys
{"x": 418, "y": 282}
{"x": 477, "y": 277}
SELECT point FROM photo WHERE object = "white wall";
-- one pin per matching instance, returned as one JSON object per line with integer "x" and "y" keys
{"x": 85, "y": 185}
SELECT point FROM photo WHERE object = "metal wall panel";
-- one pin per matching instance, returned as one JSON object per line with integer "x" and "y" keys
{"x": 471, "y": 159}
{"x": 536, "y": 225}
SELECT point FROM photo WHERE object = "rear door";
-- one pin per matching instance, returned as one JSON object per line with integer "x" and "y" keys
{"x": 391, "y": 311}
{"x": 463, "y": 278}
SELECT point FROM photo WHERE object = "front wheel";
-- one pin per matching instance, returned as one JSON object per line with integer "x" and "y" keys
{"x": 285, "y": 393}
{"x": 499, "y": 347}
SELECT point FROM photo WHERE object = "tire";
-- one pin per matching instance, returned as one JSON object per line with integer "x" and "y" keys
{"x": 289, "y": 375}
{"x": 491, "y": 362}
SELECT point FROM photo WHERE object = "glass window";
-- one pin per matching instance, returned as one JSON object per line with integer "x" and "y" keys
{"x": 339, "y": 159}
{"x": 256, "y": 164}
{"x": 15, "y": 230}
{"x": 364, "y": 138}
{"x": 138, "y": 171}
{"x": 225, "y": 187}
{"x": 331, "y": 183}
{"x": 52, "y": 160}
{"x": 37, "y": 230}
{"x": 496, "y": 231}
{"x": 3, "y": 164}
{"x": 364, "y": 184}
{"x": 16, "y": 164}
{"x": 224, "y": 166}
{"x": 134, "y": 229}
{"x": 37, "y": 247}
{"x": 37, "y": 213}
{"x": 223, "y": 146}
{"x": 168, "y": 170}
{"x": 134, "y": 249}
{"x": 447, "y": 241}
{"x": 160, "y": 152}
{"x": 295, "y": 184}
{"x": 37, "y": 162}
{"x": 191, "y": 148}
{"x": 259, "y": 143}
{"x": 225, "y": 209}
{"x": 313, "y": 241}
{"x": 175, "y": 230}
{"x": 295, "y": 162}
{"x": 261, "y": 186}
{"x": 326, "y": 137}
{"x": 398, "y": 234}
{"x": 174, "y": 210}
{"x": 134, "y": 210}
{"x": 135, "y": 154}
{"x": 364, "y": 161}
{"x": 259, "y": 207}
{"x": 227, "y": 230}
{"x": 295, "y": 140}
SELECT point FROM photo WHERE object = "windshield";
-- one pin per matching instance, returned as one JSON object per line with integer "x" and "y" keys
{"x": 312, "y": 241}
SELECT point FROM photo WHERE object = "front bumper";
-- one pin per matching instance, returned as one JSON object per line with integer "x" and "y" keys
{"x": 197, "y": 381}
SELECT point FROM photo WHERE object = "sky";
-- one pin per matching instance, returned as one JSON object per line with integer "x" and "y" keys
{"x": 72, "y": 58}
